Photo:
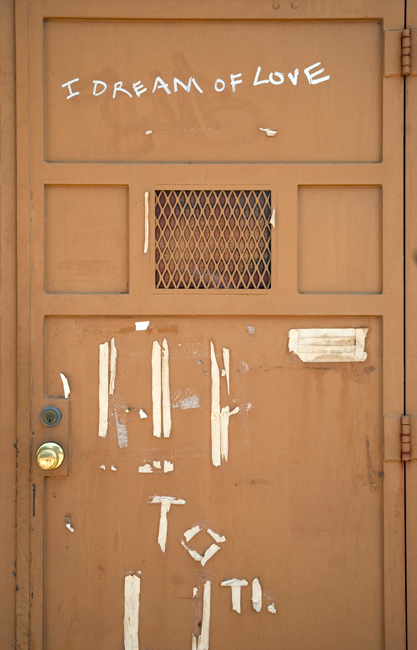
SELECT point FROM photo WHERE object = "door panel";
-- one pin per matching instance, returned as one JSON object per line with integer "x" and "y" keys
{"x": 292, "y": 464}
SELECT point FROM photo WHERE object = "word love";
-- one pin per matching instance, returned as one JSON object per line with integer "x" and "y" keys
{"x": 313, "y": 76}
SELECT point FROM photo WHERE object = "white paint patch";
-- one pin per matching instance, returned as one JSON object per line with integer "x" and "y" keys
{"x": 166, "y": 394}
{"x": 203, "y": 642}
{"x": 113, "y": 468}
{"x": 113, "y": 357}
{"x": 131, "y": 613}
{"x": 217, "y": 538}
{"x": 148, "y": 132}
{"x": 271, "y": 608}
{"x": 195, "y": 592}
{"x": 272, "y": 219}
{"x": 191, "y": 532}
{"x": 168, "y": 466}
{"x": 145, "y": 469}
{"x": 157, "y": 464}
{"x": 256, "y": 595}
{"x": 68, "y": 524}
{"x": 328, "y": 345}
{"x": 268, "y": 132}
{"x": 226, "y": 362}
{"x": 122, "y": 435}
{"x": 65, "y": 384}
{"x": 236, "y": 586}
{"x": 142, "y": 414}
{"x": 141, "y": 325}
{"x": 251, "y": 330}
{"x": 156, "y": 389}
{"x": 146, "y": 237}
{"x": 215, "y": 409}
{"x": 166, "y": 503}
{"x": 102, "y": 467}
{"x": 103, "y": 392}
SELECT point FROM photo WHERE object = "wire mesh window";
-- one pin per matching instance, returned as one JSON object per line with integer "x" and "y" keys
{"x": 212, "y": 239}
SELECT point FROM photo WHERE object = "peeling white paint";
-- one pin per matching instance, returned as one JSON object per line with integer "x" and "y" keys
{"x": 328, "y": 345}
{"x": 148, "y": 132}
{"x": 157, "y": 464}
{"x": 272, "y": 219}
{"x": 146, "y": 238}
{"x": 268, "y": 132}
{"x": 191, "y": 532}
{"x": 145, "y": 469}
{"x": 103, "y": 393}
{"x": 166, "y": 394}
{"x": 156, "y": 389}
{"x": 113, "y": 357}
{"x": 203, "y": 641}
{"x": 68, "y": 524}
{"x": 113, "y": 468}
{"x": 166, "y": 503}
{"x": 102, "y": 467}
{"x": 203, "y": 559}
{"x": 189, "y": 401}
{"x": 65, "y": 385}
{"x": 271, "y": 608}
{"x": 236, "y": 586}
{"x": 131, "y": 612}
{"x": 194, "y": 642}
{"x": 215, "y": 409}
{"x": 226, "y": 362}
{"x": 224, "y": 430}
{"x": 141, "y": 325}
{"x": 168, "y": 466}
{"x": 217, "y": 538}
{"x": 256, "y": 595}
{"x": 142, "y": 414}
{"x": 122, "y": 435}
{"x": 195, "y": 592}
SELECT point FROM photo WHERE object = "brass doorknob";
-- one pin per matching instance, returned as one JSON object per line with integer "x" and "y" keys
{"x": 50, "y": 455}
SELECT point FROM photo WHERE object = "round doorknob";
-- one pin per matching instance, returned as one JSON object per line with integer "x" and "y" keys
{"x": 50, "y": 455}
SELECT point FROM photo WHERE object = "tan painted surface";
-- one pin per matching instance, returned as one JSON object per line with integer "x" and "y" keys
{"x": 295, "y": 490}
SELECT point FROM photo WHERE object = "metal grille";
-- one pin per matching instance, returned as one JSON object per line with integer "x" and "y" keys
{"x": 212, "y": 239}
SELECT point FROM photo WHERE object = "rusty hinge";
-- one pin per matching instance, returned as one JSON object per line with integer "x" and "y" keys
{"x": 406, "y": 52}
{"x": 405, "y": 438}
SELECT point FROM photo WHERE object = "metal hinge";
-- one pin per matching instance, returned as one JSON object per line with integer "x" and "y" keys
{"x": 406, "y": 53}
{"x": 405, "y": 438}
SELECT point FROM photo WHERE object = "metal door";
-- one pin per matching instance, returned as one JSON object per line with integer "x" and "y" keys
{"x": 211, "y": 294}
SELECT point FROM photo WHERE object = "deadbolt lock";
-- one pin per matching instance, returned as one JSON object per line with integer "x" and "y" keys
{"x": 50, "y": 455}
{"x": 51, "y": 416}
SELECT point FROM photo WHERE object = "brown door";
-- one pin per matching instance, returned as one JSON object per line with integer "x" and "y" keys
{"x": 211, "y": 299}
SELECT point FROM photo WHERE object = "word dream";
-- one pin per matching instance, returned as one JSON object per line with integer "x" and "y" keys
{"x": 275, "y": 78}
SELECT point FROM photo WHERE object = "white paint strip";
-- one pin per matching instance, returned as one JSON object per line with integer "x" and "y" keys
{"x": 142, "y": 325}
{"x": 157, "y": 464}
{"x": 113, "y": 357}
{"x": 194, "y": 642}
{"x": 224, "y": 430}
{"x": 131, "y": 613}
{"x": 205, "y": 622}
{"x": 142, "y": 414}
{"x": 65, "y": 385}
{"x": 191, "y": 532}
{"x": 122, "y": 435}
{"x": 212, "y": 550}
{"x": 195, "y": 592}
{"x": 156, "y": 389}
{"x": 68, "y": 524}
{"x": 272, "y": 219}
{"x": 236, "y": 586}
{"x": 196, "y": 556}
{"x": 217, "y": 538}
{"x": 166, "y": 503}
{"x": 166, "y": 395}
{"x": 146, "y": 242}
{"x": 145, "y": 469}
{"x": 168, "y": 466}
{"x": 271, "y": 608}
{"x": 226, "y": 361}
{"x": 328, "y": 345}
{"x": 215, "y": 409}
{"x": 103, "y": 390}
{"x": 256, "y": 595}
{"x": 268, "y": 132}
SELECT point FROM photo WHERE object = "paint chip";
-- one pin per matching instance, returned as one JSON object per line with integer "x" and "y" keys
{"x": 145, "y": 469}
{"x": 65, "y": 385}
{"x": 215, "y": 536}
{"x": 142, "y": 325}
{"x": 142, "y": 414}
{"x": 68, "y": 524}
{"x": 191, "y": 532}
{"x": 113, "y": 468}
{"x": 168, "y": 466}
{"x": 268, "y": 132}
{"x": 271, "y": 608}
{"x": 272, "y": 219}
{"x": 102, "y": 467}
{"x": 148, "y": 132}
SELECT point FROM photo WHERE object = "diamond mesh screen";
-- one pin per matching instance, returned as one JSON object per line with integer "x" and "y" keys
{"x": 212, "y": 239}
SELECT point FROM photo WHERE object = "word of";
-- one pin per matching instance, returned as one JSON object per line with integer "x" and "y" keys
{"x": 275, "y": 78}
